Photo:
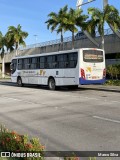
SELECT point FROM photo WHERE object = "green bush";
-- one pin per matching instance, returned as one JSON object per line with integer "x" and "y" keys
{"x": 113, "y": 71}
{"x": 12, "y": 141}
{"x": 113, "y": 82}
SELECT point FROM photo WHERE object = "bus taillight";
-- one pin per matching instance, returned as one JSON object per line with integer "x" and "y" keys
{"x": 82, "y": 73}
{"x": 104, "y": 73}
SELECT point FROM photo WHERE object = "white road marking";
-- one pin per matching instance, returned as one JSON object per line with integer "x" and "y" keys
{"x": 106, "y": 119}
{"x": 115, "y": 101}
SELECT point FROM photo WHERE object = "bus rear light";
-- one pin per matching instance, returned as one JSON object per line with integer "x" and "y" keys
{"x": 82, "y": 73}
{"x": 104, "y": 73}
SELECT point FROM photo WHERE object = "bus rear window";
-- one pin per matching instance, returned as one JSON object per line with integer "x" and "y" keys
{"x": 92, "y": 56}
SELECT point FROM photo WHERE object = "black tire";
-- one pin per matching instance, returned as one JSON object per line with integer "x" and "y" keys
{"x": 19, "y": 82}
{"x": 51, "y": 84}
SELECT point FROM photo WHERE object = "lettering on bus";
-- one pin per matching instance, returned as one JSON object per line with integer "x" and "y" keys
{"x": 94, "y": 56}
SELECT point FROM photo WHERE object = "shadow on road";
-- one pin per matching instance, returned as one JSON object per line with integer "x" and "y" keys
{"x": 62, "y": 89}
{"x": 41, "y": 87}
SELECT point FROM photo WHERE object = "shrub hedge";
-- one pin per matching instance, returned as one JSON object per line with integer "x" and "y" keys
{"x": 11, "y": 141}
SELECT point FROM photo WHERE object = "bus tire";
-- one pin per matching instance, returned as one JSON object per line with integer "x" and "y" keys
{"x": 51, "y": 84}
{"x": 19, "y": 82}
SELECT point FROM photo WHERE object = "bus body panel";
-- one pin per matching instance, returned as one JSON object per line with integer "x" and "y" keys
{"x": 64, "y": 77}
{"x": 14, "y": 78}
{"x": 67, "y": 77}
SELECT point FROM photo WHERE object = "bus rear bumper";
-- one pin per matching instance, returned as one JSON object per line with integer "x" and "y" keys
{"x": 84, "y": 81}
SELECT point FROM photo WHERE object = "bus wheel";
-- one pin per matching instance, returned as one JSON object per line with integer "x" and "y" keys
{"x": 51, "y": 84}
{"x": 19, "y": 82}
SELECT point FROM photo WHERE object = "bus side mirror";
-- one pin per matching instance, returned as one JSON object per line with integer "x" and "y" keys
{"x": 11, "y": 66}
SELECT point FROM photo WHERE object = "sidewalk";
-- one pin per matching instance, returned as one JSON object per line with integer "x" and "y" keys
{"x": 101, "y": 88}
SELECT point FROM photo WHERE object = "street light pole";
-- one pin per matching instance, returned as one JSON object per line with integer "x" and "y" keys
{"x": 80, "y": 3}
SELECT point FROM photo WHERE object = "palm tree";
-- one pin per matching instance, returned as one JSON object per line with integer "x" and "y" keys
{"x": 16, "y": 36}
{"x": 9, "y": 42}
{"x": 2, "y": 50}
{"x": 98, "y": 18}
{"x": 56, "y": 22}
{"x": 74, "y": 19}
{"x": 4, "y": 45}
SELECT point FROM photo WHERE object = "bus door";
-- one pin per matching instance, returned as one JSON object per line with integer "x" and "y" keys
{"x": 13, "y": 66}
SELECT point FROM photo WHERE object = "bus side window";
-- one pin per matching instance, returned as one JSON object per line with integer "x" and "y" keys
{"x": 20, "y": 64}
{"x": 33, "y": 63}
{"x": 27, "y": 63}
{"x": 42, "y": 62}
{"x": 72, "y": 60}
{"x": 49, "y": 62}
{"x": 61, "y": 59}
{"x": 66, "y": 61}
{"x": 54, "y": 62}
{"x": 38, "y": 62}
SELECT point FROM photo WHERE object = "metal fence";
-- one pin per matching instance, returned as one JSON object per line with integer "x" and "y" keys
{"x": 58, "y": 41}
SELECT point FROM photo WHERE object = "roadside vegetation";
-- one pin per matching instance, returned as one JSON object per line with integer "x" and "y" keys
{"x": 11, "y": 41}
{"x": 11, "y": 141}
{"x": 112, "y": 83}
{"x": 113, "y": 75}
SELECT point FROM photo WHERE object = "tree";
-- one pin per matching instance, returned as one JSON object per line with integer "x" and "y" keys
{"x": 16, "y": 36}
{"x": 74, "y": 18}
{"x": 9, "y": 42}
{"x": 4, "y": 45}
{"x": 2, "y": 50}
{"x": 98, "y": 18}
{"x": 56, "y": 22}
{"x": 110, "y": 71}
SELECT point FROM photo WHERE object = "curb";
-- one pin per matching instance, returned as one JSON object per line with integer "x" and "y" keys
{"x": 101, "y": 89}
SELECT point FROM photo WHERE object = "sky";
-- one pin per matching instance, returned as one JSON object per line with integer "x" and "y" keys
{"x": 32, "y": 14}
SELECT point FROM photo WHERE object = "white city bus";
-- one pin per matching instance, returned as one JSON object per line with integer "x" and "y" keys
{"x": 62, "y": 68}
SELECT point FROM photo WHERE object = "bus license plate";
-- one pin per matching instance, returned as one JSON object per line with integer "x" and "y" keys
{"x": 94, "y": 77}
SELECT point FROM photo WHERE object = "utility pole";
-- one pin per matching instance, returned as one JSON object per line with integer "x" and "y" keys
{"x": 105, "y": 2}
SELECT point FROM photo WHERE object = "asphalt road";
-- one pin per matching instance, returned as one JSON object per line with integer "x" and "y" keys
{"x": 80, "y": 120}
